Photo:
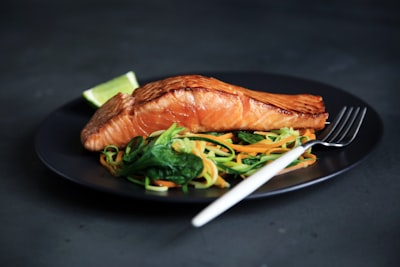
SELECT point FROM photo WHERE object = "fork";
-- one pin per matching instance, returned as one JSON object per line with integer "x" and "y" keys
{"x": 341, "y": 132}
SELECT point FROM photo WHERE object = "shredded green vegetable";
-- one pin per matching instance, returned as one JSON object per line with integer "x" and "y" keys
{"x": 200, "y": 160}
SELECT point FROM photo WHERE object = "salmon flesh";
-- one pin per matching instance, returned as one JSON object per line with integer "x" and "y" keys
{"x": 201, "y": 104}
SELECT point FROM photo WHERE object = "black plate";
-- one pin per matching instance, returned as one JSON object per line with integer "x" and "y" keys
{"x": 58, "y": 145}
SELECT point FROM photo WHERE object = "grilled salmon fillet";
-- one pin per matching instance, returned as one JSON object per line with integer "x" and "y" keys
{"x": 200, "y": 104}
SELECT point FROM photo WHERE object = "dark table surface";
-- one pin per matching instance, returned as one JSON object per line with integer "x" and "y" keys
{"x": 52, "y": 50}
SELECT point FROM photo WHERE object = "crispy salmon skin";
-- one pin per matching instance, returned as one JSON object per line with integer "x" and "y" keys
{"x": 201, "y": 104}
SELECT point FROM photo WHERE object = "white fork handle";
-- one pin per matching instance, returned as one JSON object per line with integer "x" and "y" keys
{"x": 246, "y": 187}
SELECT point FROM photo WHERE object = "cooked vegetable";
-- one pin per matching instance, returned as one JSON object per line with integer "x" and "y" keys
{"x": 176, "y": 158}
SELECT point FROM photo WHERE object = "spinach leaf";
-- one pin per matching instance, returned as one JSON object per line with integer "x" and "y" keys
{"x": 155, "y": 158}
{"x": 250, "y": 138}
{"x": 162, "y": 162}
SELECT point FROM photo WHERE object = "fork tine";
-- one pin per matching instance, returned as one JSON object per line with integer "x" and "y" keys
{"x": 347, "y": 126}
{"x": 332, "y": 126}
{"x": 341, "y": 126}
{"x": 353, "y": 127}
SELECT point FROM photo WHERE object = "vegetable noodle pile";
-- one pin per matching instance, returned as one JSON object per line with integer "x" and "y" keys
{"x": 177, "y": 158}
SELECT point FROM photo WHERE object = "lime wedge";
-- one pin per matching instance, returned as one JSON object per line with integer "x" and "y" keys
{"x": 100, "y": 93}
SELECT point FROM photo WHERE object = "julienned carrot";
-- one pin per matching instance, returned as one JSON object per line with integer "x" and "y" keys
{"x": 277, "y": 150}
{"x": 311, "y": 159}
{"x": 165, "y": 183}
{"x": 221, "y": 182}
{"x": 259, "y": 147}
{"x": 103, "y": 162}
{"x": 109, "y": 166}
{"x": 228, "y": 135}
{"x": 309, "y": 133}
{"x": 210, "y": 170}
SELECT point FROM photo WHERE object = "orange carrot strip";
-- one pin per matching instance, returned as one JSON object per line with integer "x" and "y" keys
{"x": 103, "y": 162}
{"x": 226, "y": 136}
{"x": 300, "y": 165}
{"x": 261, "y": 147}
{"x": 310, "y": 133}
{"x": 239, "y": 158}
{"x": 221, "y": 182}
{"x": 278, "y": 150}
{"x": 165, "y": 183}
{"x": 119, "y": 156}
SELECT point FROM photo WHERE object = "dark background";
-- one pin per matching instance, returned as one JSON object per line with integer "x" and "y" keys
{"x": 50, "y": 51}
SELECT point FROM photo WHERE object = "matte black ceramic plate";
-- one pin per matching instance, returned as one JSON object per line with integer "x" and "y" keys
{"x": 58, "y": 144}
